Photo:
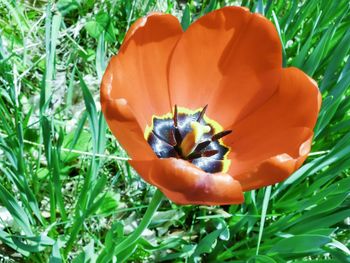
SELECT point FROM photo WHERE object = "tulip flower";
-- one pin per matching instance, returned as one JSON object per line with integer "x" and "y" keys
{"x": 208, "y": 113}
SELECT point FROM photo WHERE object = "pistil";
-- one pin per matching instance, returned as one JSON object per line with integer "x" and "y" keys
{"x": 193, "y": 138}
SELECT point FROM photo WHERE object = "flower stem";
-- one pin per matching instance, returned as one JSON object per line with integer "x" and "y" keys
{"x": 146, "y": 220}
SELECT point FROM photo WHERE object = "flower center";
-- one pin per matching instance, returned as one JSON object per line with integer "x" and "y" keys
{"x": 189, "y": 135}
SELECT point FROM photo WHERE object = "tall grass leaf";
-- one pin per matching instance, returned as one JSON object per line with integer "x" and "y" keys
{"x": 267, "y": 7}
{"x": 338, "y": 256}
{"x": 101, "y": 56}
{"x": 33, "y": 244}
{"x": 46, "y": 132}
{"x": 97, "y": 189}
{"x": 102, "y": 127}
{"x": 19, "y": 18}
{"x": 333, "y": 10}
{"x": 56, "y": 180}
{"x": 289, "y": 16}
{"x": 299, "y": 16}
{"x": 260, "y": 7}
{"x": 77, "y": 133}
{"x": 284, "y": 59}
{"x": 207, "y": 244}
{"x": 8, "y": 152}
{"x": 113, "y": 236}
{"x": 261, "y": 259}
{"x": 186, "y": 251}
{"x": 340, "y": 246}
{"x": 91, "y": 110}
{"x": 55, "y": 256}
{"x": 263, "y": 215}
{"x": 313, "y": 62}
{"x": 338, "y": 57}
{"x": 328, "y": 205}
{"x": 27, "y": 196}
{"x": 125, "y": 254}
{"x": 186, "y": 17}
{"x": 70, "y": 90}
{"x": 6, "y": 239}
{"x": 299, "y": 60}
{"x": 17, "y": 212}
{"x": 332, "y": 104}
{"x": 87, "y": 255}
{"x": 300, "y": 244}
{"x": 320, "y": 221}
{"x": 210, "y": 7}
{"x": 53, "y": 24}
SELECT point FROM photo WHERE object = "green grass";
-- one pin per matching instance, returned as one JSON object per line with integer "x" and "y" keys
{"x": 68, "y": 195}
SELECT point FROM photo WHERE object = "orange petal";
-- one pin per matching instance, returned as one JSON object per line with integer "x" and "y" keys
{"x": 123, "y": 124}
{"x": 185, "y": 183}
{"x": 271, "y": 165}
{"x": 281, "y": 127}
{"x": 139, "y": 72}
{"x": 229, "y": 59}
{"x": 296, "y": 103}
{"x": 137, "y": 24}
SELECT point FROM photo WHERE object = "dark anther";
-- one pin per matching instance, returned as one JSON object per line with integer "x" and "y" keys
{"x": 202, "y": 113}
{"x": 177, "y": 133}
{"x": 220, "y": 135}
{"x": 194, "y": 155}
{"x": 175, "y": 116}
{"x": 172, "y": 139}
{"x": 161, "y": 138}
{"x": 178, "y": 136}
{"x": 209, "y": 153}
{"x": 201, "y": 146}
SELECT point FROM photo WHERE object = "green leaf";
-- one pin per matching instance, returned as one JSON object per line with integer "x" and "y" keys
{"x": 300, "y": 244}
{"x": 186, "y": 251}
{"x": 186, "y": 17}
{"x": 16, "y": 210}
{"x": 67, "y": 6}
{"x": 94, "y": 29}
{"x": 103, "y": 19}
{"x": 263, "y": 215}
{"x": 261, "y": 259}
{"x": 87, "y": 255}
{"x": 320, "y": 221}
{"x": 33, "y": 244}
{"x": 338, "y": 57}
{"x": 207, "y": 244}
{"x": 55, "y": 256}
{"x": 91, "y": 109}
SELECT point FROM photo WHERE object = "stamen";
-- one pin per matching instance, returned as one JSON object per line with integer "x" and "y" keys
{"x": 172, "y": 139}
{"x": 209, "y": 153}
{"x": 200, "y": 117}
{"x": 219, "y": 135}
{"x": 177, "y": 134}
{"x": 195, "y": 155}
{"x": 161, "y": 138}
{"x": 201, "y": 146}
{"x": 175, "y": 116}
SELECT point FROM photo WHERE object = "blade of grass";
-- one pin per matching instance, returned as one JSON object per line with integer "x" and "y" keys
{"x": 263, "y": 216}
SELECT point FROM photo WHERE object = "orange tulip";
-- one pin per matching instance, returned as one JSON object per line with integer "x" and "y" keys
{"x": 155, "y": 91}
